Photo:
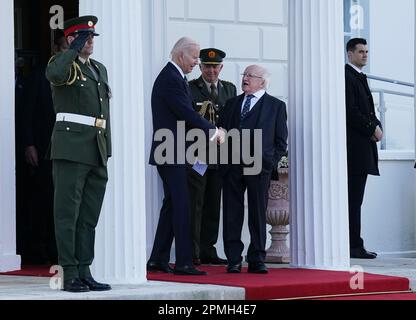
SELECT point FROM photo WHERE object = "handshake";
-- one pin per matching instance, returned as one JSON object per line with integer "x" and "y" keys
{"x": 221, "y": 136}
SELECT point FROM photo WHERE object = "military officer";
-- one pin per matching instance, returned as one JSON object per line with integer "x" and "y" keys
{"x": 209, "y": 94}
{"x": 80, "y": 148}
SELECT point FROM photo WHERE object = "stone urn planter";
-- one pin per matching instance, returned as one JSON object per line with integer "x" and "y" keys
{"x": 277, "y": 215}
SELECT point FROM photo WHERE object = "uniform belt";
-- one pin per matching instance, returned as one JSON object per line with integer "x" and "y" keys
{"x": 79, "y": 118}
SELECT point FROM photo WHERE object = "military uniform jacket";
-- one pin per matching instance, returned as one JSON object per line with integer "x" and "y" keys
{"x": 200, "y": 93}
{"x": 85, "y": 96}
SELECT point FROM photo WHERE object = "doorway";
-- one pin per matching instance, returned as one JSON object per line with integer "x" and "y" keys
{"x": 34, "y": 119}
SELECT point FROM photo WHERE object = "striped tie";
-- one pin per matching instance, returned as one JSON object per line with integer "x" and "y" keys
{"x": 246, "y": 108}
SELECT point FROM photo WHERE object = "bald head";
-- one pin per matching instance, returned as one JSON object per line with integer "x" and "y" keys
{"x": 255, "y": 78}
{"x": 185, "y": 54}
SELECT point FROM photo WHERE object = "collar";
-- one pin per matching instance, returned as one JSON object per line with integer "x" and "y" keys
{"x": 177, "y": 67}
{"x": 259, "y": 94}
{"x": 87, "y": 62}
{"x": 208, "y": 84}
{"x": 355, "y": 68}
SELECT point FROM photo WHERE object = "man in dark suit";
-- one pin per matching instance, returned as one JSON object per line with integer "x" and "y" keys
{"x": 363, "y": 132}
{"x": 39, "y": 119}
{"x": 210, "y": 95}
{"x": 80, "y": 148}
{"x": 255, "y": 109}
{"x": 172, "y": 107}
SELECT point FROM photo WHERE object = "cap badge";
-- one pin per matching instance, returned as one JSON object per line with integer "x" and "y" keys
{"x": 212, "y": 54}
{"x": 90, "y": 23}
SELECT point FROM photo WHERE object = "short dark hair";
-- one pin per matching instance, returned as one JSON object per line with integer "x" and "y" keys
{"x": 352, "y": 44}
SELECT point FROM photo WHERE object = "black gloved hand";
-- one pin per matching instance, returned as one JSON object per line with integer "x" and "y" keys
{"x": 79, "y": 41}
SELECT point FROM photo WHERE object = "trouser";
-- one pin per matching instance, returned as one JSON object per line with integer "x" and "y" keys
{"x": 205, "y": 203}
{"x": 78, "y": 198}
{"x": 234, "y": 186}
{"x": 356, "y": 188}
{"x": 174, "y": 220}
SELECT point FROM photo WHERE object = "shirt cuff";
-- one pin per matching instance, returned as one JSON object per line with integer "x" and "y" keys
{"x": 215, "y": 135}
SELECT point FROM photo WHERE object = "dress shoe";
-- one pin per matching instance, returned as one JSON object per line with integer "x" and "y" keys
{"x": 153, "y": 266}
{"x": 361, "y": 253}
{"x": 234, "y": 268}
{"x": 258, "y": 267}
{"x": 75, "y": 285}
{"x": 188, "y": 271}
{"x": 94, "y": 285}
{"x": 215, "y": 261}
{"x": 196, "y": 262}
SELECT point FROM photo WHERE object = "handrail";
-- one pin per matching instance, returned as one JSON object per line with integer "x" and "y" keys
{"x": 402, "y": 83}
{"x": 382, "y": 102}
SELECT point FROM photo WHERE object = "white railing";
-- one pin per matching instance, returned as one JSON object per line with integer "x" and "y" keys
{"x": 382, "y": 105}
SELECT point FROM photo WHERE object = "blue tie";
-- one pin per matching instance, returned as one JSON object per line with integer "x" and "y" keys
{"x": 246, "y": 108}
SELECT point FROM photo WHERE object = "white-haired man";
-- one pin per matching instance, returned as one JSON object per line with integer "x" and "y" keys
{"x": 253, "y": 110}
{"x": 172, "y": 103}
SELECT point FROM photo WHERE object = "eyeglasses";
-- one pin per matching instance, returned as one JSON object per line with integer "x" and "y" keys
{"x": 250, "y": 75}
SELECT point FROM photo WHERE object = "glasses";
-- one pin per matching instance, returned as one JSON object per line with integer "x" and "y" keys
{"x": 250, "y": 75}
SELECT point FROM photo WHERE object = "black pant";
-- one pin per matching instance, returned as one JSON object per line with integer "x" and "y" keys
{"x": 174, "y": 220}
{"x": 234, "y": 186}
{"x": 356, "y": 188}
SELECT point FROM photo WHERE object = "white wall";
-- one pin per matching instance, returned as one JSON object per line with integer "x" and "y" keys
{"x": 389, "y": 210}
{"x": 392, "y": 56}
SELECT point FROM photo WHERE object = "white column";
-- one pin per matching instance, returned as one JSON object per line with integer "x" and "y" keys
{"x": 8, "y": 259}
{"x": 317, "y": 121}
{"x": 121, "y": 235}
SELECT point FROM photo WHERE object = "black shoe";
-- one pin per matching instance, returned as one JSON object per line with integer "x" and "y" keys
{"x": 215, "y": 261}
{"x": 258, "y": 267}
{"x": 158, "y": 267}
{"x": 188, "y": 271}
{"x": 196, "y": 262}
{"x": 75, "y": 285}
{"x": 361, "y": 253}
{"x": 234, "y": 268}
{"x": 94, "y": 285}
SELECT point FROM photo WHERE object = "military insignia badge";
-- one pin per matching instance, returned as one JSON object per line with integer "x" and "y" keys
{"x": 212, "y": 54}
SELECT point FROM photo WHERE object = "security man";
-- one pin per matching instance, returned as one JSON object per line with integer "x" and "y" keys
{"x": 210, "y": 95}
{"x": 80, "y": 148}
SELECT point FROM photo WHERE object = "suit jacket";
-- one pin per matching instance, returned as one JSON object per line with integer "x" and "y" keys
{"x": 272, "y": 119}
{"x": 39, "y": 115}
{"x": 172, "y": 102}
{"x": 361, "y": 125}
{"x": 90, "y": 97}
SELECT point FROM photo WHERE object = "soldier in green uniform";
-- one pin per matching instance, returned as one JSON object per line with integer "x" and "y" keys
{"x": 210, "y": 94}
{"x": 80, "y": 148}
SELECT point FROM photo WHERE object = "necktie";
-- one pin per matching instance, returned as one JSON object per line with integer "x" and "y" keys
{"x": 246, "y": 108}
{"x": 214, "y": 93}
{"x": 186, "y": 80}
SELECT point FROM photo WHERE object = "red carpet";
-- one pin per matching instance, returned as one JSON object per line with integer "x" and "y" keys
{"x": 289, "y": 283}
{"x": 30, "y": 271}
{"x": 394, "y": 296}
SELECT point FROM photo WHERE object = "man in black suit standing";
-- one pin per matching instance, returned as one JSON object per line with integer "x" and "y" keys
{"x": 363, "y": 132}
{"x": 254, "y": 109}
{"x": 172, "y": 105}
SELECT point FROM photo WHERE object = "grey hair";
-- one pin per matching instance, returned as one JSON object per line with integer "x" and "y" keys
{"x": 264, "y": 73}
{"x": 182, "y": 46}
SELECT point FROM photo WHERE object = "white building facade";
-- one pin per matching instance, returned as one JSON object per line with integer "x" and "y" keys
{"x": 302, "y": 46}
